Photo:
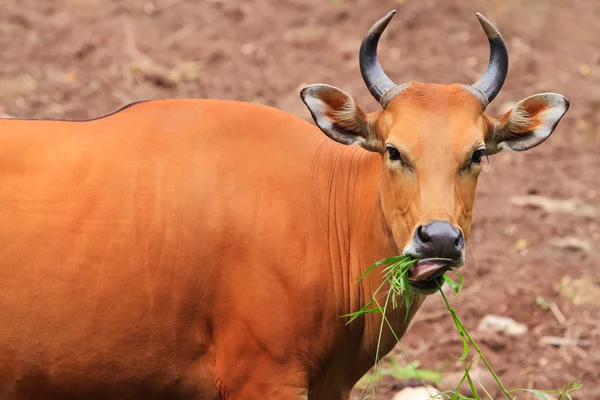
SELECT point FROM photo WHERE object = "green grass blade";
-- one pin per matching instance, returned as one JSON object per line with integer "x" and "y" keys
{"x": 453, "y": 284}
{"x": 406, "y": 297}
{"x": 538, "y": 393}
{"x": 395, "y": 276}
{"x": 356, "y": 314}
{"x": 359, "y": 313}
{"x": 466, "y": 334}
{"x": 467, "y": 376}
{"x": 391, "y": 260}
{"x": 467, "y": 369}
{"x": 472, "y": 387}
{"x": 486, "y": 392}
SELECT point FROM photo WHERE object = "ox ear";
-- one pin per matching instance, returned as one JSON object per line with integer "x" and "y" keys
{"x": 338, "y": 116}
{"x": 529, "y": 123}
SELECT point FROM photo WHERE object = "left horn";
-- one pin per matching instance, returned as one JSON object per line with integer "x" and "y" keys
{"x": 376, "y": 80}
{"x": 493, "y": 78}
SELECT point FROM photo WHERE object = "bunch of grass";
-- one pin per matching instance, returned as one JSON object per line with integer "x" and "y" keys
{"x": 396, "y": 278}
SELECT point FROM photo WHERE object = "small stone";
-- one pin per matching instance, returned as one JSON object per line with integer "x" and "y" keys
{"x": 568, "y": 206}
{"x": 571, "y": 243}
{"x": 417, "y": 393}
{"x": 504, "y": 325}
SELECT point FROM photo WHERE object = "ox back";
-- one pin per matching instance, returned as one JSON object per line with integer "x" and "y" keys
{"x": 181, "y": 249}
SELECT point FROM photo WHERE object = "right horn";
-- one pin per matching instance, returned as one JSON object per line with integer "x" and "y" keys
{"x": 490, "y": 83}
{"x": 381, "y": 87}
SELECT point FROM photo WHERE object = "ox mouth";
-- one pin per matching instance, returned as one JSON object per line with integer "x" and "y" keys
{"x": 426, "y": 275}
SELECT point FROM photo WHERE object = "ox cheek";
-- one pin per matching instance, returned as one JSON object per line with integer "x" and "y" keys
{"x": 466, "y": 189}
{"x": 398, "y": 194}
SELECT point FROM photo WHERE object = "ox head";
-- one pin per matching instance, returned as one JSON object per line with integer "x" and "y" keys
{"x": 433, "y": 140}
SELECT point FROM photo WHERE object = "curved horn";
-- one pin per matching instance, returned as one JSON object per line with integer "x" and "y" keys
{"x": 493, "y": 78}
{"x": 376, "y": 80}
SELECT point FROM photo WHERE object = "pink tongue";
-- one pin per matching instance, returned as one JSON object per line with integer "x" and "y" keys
{"x": 430, "y": 268}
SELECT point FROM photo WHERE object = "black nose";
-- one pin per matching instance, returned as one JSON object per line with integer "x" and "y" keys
{"x": 439, "y": 239}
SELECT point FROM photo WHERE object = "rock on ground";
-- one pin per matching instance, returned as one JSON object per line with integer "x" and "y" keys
{"x": 417, "y": 393}
{"x": 497, "y": 324}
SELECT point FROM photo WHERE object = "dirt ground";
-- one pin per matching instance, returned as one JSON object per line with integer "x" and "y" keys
{"x": 534, "y": 263}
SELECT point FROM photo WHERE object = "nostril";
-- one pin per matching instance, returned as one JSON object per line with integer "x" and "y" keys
{"x": 422, "y": 234}
{"x": 459, "y": 242}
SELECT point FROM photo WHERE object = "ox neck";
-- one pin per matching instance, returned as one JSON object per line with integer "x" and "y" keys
{"x": 358, "y": 231}
{"x": 359, "y": 236}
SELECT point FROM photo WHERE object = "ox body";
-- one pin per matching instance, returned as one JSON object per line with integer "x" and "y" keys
{"x": 180, "y": 246}
{"x": 205, "y": 249}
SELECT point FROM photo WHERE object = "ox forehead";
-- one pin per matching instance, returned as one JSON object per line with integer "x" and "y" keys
{"x": 207, "y": 249}
{"x": 432, "y": 139}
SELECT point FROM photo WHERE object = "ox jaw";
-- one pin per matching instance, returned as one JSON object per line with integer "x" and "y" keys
{"x": 425, "y": 276}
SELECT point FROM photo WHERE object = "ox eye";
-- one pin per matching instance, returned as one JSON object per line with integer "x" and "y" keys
{"x": 477, "y": 155}
{"x": 394, "y": 153}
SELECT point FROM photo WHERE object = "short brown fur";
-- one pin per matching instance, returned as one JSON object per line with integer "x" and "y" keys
{"x": 205, "y": 249}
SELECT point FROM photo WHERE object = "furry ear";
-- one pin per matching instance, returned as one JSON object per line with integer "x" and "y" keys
{"x": 529, "y": 123}
{"x": 338, "y": 116}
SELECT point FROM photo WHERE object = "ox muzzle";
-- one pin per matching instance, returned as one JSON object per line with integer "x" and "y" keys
{"x": 439, "y": 246}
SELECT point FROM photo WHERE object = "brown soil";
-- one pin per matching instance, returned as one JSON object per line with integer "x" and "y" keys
{"x": 83, "y": 58}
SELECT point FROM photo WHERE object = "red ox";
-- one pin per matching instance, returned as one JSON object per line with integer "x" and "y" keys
{"x": 205, "y": 249}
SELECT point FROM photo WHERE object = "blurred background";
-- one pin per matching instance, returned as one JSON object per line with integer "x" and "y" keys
{"x": 536, "y": 233}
